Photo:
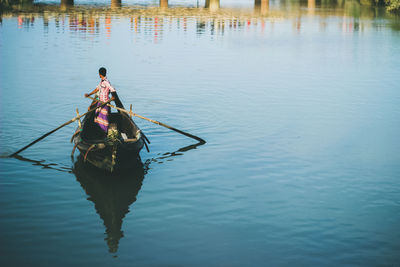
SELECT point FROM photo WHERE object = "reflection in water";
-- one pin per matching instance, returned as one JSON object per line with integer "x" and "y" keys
{"x": 91, "y": 25}
{"x": 164, "y": 3}
{"x": 255, "y": 203}
{"x": 26, "y": 21}
{"x": 115, "y": 3}
{"x": 95, "y": 20}
{"x": 169, "y": 155}
{"x": 213, "y": 5}
{"x": 64, "y": 4}
{"x": 311, "y": 7}
{"x": 42, "y": 163}
{"x": 261, "y": 7}
{"x": 82, "y": 23}
{"x": 111, "y": 193}
{"x": 108, "y": 26}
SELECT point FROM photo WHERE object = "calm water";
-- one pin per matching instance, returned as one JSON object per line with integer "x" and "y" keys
{"x": 299, "y": 103}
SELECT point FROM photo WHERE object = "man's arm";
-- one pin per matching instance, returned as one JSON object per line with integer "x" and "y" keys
{"x": 93, "y": 92}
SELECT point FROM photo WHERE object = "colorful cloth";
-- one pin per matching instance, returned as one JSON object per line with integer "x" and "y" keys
{"x": 101, "y": 116}
{"x": 104, "y": 89}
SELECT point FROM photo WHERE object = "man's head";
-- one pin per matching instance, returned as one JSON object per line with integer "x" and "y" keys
{"x": 102, "y": 72}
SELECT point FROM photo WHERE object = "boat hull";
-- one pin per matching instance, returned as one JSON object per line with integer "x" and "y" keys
{"x": 120, "y": 152}
{"x": 110, "y": 156}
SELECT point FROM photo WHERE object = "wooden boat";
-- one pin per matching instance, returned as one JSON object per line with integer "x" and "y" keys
{"x": 118, "y": 148}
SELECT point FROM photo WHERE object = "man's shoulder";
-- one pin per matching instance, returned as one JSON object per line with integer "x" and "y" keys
{"x": 106, "y": 81}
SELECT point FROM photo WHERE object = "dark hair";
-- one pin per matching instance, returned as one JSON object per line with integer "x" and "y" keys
{"x": 103, "y": 71}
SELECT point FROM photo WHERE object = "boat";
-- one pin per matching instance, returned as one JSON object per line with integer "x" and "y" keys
{"x": 118, "y": 148}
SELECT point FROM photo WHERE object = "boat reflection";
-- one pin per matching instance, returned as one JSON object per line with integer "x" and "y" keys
{"x": 111, "y": 193}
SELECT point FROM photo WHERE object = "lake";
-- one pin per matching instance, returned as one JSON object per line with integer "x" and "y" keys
{"x": 298, "y": 101}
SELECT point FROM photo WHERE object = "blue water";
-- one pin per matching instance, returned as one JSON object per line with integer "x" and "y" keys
{"x": 300, "y": 108}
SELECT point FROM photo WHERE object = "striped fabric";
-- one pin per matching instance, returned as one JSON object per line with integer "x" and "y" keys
{"x": 104, "y": 89}
{"x": 101, "y": 116}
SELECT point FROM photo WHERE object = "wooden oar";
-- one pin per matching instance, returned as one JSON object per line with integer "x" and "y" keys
{"x": 52, "y": 131}
{"x": 153, "y": 121}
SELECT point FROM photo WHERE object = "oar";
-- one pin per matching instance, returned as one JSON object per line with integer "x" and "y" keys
{"x": 153, "y": 121}
{"x": 59, "y": 127}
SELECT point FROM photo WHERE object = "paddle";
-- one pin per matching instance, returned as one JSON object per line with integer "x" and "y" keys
{"x": 59, "y": 127}
{"x": 153, "y": 121}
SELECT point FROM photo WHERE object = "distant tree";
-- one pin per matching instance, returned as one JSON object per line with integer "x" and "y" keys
{"x": 393, "y": 5}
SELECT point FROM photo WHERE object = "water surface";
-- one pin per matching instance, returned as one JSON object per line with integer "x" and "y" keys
{"x": 298, "y": 102}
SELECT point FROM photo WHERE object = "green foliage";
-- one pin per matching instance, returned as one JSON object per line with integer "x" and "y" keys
{"x": 393, "y": 5}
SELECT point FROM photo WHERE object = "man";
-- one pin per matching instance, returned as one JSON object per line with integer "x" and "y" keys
{"x": 103, "y": 90}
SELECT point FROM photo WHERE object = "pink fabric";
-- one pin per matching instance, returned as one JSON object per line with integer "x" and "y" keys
{"x": 104, "y": 89}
